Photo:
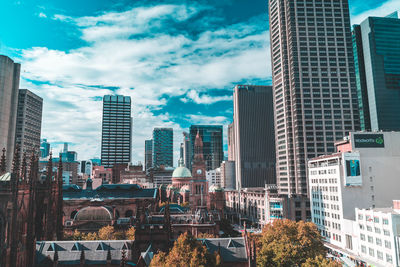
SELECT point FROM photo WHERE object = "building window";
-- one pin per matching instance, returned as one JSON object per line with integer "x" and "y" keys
{"x": 362, "y": 236}
{"x": 389, "y": 258}
{"x": 388, "y": 244}
{"x": 379, "y": 254}
{"x": 371, "y": 252}
{"x": 378, "y": 241}
{"x": 386, "y": 232}
{"x": 370, "y": 239}
{"x": 363, "y": 249}
{"x": 385, "y": 221}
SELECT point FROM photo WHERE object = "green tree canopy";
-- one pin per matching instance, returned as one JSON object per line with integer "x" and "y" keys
{"x": 289, "y": 243}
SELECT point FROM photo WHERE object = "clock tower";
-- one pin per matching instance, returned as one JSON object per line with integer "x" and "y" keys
{"x": 198, "y": 165}
{"x": 200, "y": 184}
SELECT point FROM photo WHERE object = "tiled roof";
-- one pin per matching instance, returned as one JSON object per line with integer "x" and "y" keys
{"x": 69, "y": 252}
{"x": 231, "y": 249}
{"x": 108, "y": 191}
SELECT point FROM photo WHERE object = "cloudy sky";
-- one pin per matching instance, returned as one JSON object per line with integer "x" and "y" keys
{"x": 178, "y": 60}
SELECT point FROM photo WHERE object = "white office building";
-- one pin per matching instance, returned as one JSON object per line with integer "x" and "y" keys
{"x": 379, "y": 231}
{"x": 214, "y": 177}
{"x": 363, "y": 174}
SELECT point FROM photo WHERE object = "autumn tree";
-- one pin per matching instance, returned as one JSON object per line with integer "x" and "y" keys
{"x": 206, "y": 235}
{"x": 130, "y": 233}
{"x": 187, "y": 251}
{"x": 289, "y": 243}
{"x": 106, "y": 233}
{"x": 320, "y": 261}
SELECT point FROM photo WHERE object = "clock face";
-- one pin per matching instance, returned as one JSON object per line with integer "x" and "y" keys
{"x": 199, "y": 171}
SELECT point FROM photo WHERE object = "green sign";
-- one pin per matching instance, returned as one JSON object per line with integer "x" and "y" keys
{"x": 369, "y": 140}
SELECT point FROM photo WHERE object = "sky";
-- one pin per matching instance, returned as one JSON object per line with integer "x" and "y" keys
{"x": 178, "y": 60}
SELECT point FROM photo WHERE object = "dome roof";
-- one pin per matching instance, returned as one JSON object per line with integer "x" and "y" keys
{"x": 181, "y": 171}
{"x": 215, "y": 188}
{"x": 185, "y": 188}
{"x": 93, "y": 214}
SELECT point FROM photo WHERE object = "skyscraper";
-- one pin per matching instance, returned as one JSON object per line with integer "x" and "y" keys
{"x": 211, "y": 136}
{"x": 116, "y": 137}
{"x": 376, "y": 43}
{"x": 315, "y": 97}
{"x": 254, "y": 136}
{"x": 231, "y": 141}
{"x": 9, "y": 84}
{"x": 163, "y": 140}
{"x": 148, "y": 154}
{"x": 44, "y": 148}
{"x": 29, "y": 122}
{"x": 187, "y": 152}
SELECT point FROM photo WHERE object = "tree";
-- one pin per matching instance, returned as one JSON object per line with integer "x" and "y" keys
{"x": 227, "y": 228}
{"x": 130, "y": 233}
{"x": 106, "y": 233}
{"x": 320, "y": 261}
{"x": 90, "y": 236}
{"x": 289, "y": 243}
{"x": 187, "y": 251}
{"x": 206, "y": 235}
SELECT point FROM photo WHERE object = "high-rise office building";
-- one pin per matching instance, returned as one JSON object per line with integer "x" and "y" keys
{"x": 187, "y": 152}
{"x": 211, "y": 136}
{"x": 376, "y": 44}
{"x": 163, "y": 143}
{"x": 44, "y": 148}
{"x": 253, "y": 118}
{"x": 231, "y": 141}
{"x": 315, "y": 96}
{"x": 29, "y": 122}
{"x": 9, "y": 84}
{"x": 148, "y": 154}
{"x": 116, "y": 140}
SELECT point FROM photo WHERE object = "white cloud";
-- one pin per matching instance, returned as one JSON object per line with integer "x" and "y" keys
{"x": 385, "y": 9}
{"x": 42, "y": 15}
{"x": 204, "y": 99}
{"x": 146, "y": 69}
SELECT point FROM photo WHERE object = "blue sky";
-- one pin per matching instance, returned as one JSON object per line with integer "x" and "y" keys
{"x": 178, "y": 60}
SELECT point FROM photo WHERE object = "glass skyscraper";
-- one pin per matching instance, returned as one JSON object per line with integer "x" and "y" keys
{"x": 116, "y": 140}
{"x": 253, "y": 118}
{"x": 148, "y": 154}
{"x": 163, "y": 142}
{"x": 377, "y": 43}
{"x": 211, "y": 136}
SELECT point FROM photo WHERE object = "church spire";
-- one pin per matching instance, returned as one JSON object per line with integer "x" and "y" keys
{"x": 23, "y": 167}
{"x": 198, "y": 148}
{"x": 3, "y": 162}
{"x": 49, "y": 176}
{"x": 15, "y": 168}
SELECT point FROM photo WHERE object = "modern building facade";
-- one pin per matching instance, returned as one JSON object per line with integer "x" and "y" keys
{"x": 377, "y": 58}
{"x": 148, "y": 154}
{"x": 211, "y": 136}
{"x": 363, "y": 174}
{"x": 187, "y": 152}
{"x": 228, "y": 180}
{"x": 213, "y": 177}
{"x": 231, "y": 142}
{"x": 315, "y": 97}
{"x": 116, "y": 140}
{"x": 9, "y": 85}
{"x": 163, "y": 143}
{"x": 253, "y": 118}
{"x": 29, "y": 122}
{"x": 44, "y": 148}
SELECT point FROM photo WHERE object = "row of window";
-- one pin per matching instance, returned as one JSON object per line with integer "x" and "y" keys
{"x": 379, "y": 254}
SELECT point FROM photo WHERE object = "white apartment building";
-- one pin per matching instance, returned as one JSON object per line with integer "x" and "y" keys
{"x": 214, "y": 177}
{"x": 379, "y": 231}
{"x": 363, "y": 174}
